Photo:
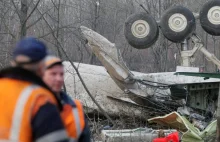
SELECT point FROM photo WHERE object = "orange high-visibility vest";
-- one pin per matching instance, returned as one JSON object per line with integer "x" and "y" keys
{"x": 73, "y": 119}
{"x": 19, "y": 102}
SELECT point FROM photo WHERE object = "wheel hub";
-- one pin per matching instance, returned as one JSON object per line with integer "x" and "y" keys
{"x": 214, "y": 15}
{"x": 177, "y": 22}
{"x": 140, "y": 28}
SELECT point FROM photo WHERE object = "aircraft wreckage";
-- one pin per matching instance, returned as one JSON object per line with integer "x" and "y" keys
{"x": 121, "y": 92}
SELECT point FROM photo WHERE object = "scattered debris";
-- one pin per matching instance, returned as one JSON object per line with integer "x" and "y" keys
{"x": 134, "y": 135}
{"x": 190, "y": 133}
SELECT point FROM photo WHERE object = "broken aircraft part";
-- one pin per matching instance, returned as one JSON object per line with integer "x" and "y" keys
{"x": 134, "y": 135}
{"x": 123, "y": 92}
{"x": 189, "y": 132}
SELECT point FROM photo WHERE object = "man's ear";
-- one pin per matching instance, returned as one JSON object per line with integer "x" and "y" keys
{"x": 41, "y": 69}
{"x": 13, "y": 64}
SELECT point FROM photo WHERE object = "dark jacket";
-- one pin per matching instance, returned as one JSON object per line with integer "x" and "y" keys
{"x": 85, "y": 136}
{"x": 41, "y": 123}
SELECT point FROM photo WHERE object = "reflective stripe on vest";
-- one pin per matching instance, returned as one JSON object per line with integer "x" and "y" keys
{"x": 18, "y": 112}
{"x": 1, "y": 140}
{"x": 77, "y": 121}
{"x": 73, "y": 140}
{"x": 59, "y": 135}
{"x": 78, "y": 117}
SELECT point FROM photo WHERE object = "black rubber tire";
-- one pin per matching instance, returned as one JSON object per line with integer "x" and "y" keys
{"x": 209, "y": 27}
{"x": 178, "y": 36}
{"x": 142, "y": 42}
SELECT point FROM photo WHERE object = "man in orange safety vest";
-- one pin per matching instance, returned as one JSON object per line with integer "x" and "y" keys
{"x": 72, "y": 114}
{"x": 29, "y": 110}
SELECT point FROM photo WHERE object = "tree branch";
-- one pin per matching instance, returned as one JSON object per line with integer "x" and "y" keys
{"x": 32, "y": 11}
{"x": 54, "y": 4}
{"x": 32, "y": 24}
{"x": 51, "y": 32}
{"x": 16, "y": 9}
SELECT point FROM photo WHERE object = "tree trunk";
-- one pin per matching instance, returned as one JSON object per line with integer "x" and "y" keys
{"x": 23, "y": 16}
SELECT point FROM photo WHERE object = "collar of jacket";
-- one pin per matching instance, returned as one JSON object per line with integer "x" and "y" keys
{"x": 26, "y": 75}
{"x": 67, "y": 99}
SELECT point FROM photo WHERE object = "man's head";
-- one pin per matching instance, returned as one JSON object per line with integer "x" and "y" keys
{"x": 29, "y": 53}
{"x": 54, "y": 73}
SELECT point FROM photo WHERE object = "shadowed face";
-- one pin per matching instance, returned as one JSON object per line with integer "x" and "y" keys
{"x": 54, "y": 77}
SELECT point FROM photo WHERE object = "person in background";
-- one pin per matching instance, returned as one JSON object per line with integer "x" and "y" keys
{"x": 29, "y": 110}
{"x": 72, "y": 114}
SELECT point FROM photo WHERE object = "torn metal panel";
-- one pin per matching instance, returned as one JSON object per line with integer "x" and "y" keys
{"x": 190, "y": 133}
{"x": 107, "y": 53}
{"x": 173, "y": 120}
{"x": 173, "y": 78}
{"x": 205, "y": 75}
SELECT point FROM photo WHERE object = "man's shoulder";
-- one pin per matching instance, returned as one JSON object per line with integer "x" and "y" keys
{"x": 41, "y": 89}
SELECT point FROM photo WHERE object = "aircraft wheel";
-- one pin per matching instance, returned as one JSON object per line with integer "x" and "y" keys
{"x": 177, "y": 24}
{"x": 210, "y": 17}
{"x": 141, "y": 30}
